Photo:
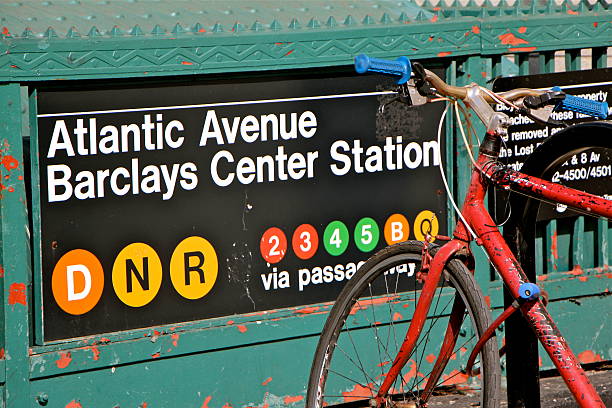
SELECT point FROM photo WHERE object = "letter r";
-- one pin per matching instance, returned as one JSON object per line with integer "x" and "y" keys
{"x": 193, "y": 268}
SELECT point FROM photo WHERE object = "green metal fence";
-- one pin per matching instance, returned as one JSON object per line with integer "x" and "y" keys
{"x": 260, "y": 359}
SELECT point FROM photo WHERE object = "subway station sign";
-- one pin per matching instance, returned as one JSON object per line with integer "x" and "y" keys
{"x": 590, "y": 170}
{"x": 188, "y": 201}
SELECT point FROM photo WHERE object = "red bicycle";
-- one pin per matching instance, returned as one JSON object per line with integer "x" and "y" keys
{"x": 399, "y": 325}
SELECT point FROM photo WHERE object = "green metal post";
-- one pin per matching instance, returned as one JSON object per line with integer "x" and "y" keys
{"x": 14, "y": 249}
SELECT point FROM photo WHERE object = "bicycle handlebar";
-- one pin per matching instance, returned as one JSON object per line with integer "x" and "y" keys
{"x": 584, "y": 106}
{"x": 402, "y": 68}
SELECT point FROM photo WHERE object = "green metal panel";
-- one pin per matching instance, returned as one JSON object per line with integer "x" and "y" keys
{"x": 264, "y": 358}
{"x": 14, "y": 249}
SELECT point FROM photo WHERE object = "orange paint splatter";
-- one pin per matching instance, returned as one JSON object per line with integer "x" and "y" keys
{"x": 430, "y": 38}
{"x": 308, "y": 310}
{"x": 5, "y": 31}
{"x": 9, "y": 162}
{"x": 434, "y": 19}
{"x": 175, "y": 338}
{"x": 484, "y": 74}
{"x": 588, "y": 356}
{"x": 1, "y": 353}
{"x": 430, "y": 358}
{"x": 186, "y": 63}
{"x": 444, "y": 54}
{"x": 227, "y": 405}
{"x": 288, "y": 53}
{"x": 267, "y": 381}
{"x": 356, "y": 393}
{"x": 595, "y": 24}
{"x": 1, "y": 271}
{"x": 454, "y": 377}
{"x": 539, "y": 361}
{"x": 583, "y": 278}
{"x": 576, "y": 271}
{"x": 206, "y": 401}
{"x": 73, "y": 404}
{"x": 487, "y": 300}
{"x": 384, "y": 363}
{"x": 64, "y": 360}
{"x": 522, "y": 30}
{"x": 476, "y": 29}
{"x": 230, "y": 322}
{"x": 95, "y": 352}
{"x": 542, "y": 277}
{"x": 11, "y": 190}
{"x": 396, "y": 316}
{"x": 523, "y": 49}
{"x": 412, "y": 372}
{"x": 511, "y": 39}
{"x": 291, "y": 400}
{"x": 17, "y": 294}
{"x": 572, "y": 12}
{"x": 553, "y": 246}
{"x": 363, "y": 304}
{"x": 202, "y": 30}
{"x": 241, "y": 328}
{"x": 156, "y": 355}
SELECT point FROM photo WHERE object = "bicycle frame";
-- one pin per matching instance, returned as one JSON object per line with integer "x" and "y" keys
{"x": 476, "y": 215}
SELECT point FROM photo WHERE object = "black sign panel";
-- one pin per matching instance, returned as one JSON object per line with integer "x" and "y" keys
{"x": 588, "y": 171}
{"x": 173, "y": 203}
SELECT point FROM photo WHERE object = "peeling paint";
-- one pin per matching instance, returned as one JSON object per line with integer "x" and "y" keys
{"x": 356, "y": 393}
{"x": 454, "y": 377}
{"x": 523, "y": 49}
{"x": 9, "y": 162}
{"x": 64, "y": 360}
{"x": 511, "y": 39}
{"x": 17, "y": 294}
{"x": 206, "y": 401}
{"x": 308, "y": 310}
{"x": 291, "y": 400}
{"x": 588, "y": 356}
{"x": 95, "y": 352}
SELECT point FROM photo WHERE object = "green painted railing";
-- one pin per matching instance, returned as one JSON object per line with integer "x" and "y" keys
{"x": 261, "y": 360}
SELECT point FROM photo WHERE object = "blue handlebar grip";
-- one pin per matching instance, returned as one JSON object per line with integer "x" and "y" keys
{"x": 401, "y": 67}
{"x": 584, "y": 106}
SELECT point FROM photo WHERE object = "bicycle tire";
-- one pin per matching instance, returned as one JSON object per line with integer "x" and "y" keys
{"x": 520, "y": 233}
{"x": 364, "y": 289}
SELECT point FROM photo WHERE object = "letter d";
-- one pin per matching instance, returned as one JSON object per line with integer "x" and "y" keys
{"x": 70, "y": 270}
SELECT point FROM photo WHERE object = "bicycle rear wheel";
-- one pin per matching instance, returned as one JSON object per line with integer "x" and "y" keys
{"x": 368, "y": 323}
